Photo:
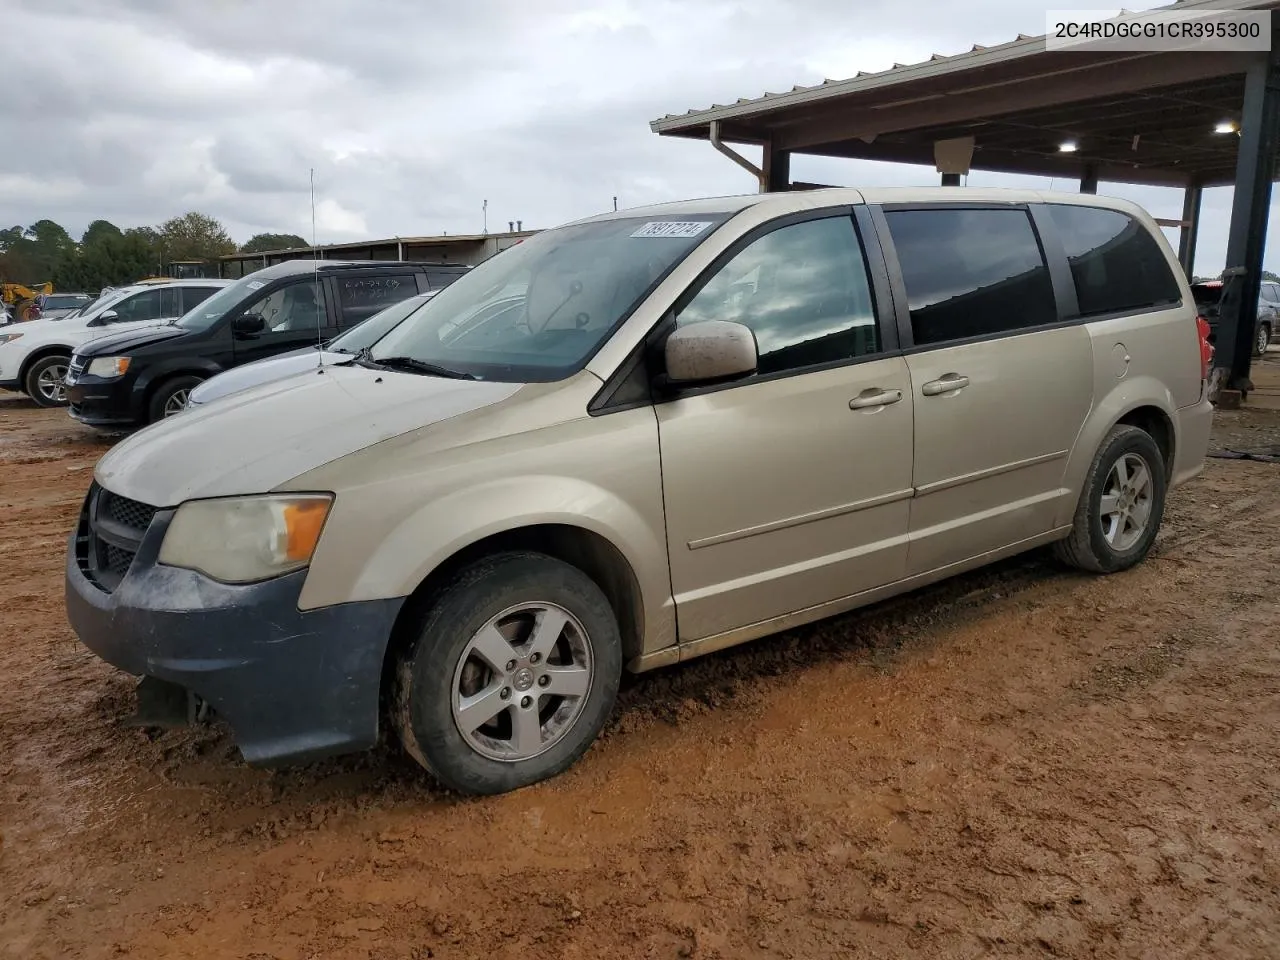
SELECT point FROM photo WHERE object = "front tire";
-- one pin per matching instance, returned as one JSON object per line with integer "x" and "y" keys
{"x": 509, "y": 675}
{"x": 170, "y": 398}
{"x": 1121, "y": 506}
{"x": 1262, "y": 341}
{"x": 46, "y": 381}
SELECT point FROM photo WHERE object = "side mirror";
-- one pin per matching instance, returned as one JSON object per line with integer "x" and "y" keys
{"x": 248, "y": 325}
{"x": 710, "y": 350}
{"x": 109, "y": 316}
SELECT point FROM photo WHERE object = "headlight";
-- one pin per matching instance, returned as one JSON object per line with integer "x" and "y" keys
{"x": 108, "y": 367}
{"x": 8, "y": 338}
{"x": 245, "y": 539}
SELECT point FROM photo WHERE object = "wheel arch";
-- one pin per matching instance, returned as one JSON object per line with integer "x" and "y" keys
{"x": 592, "y": 553}
{"x": 1143, "y": 402}
{"x": 38, "y": 354}
{"x": 145, "y": 390}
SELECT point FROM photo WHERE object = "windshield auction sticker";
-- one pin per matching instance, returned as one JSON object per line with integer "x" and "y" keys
{"x": 672, "y": 228}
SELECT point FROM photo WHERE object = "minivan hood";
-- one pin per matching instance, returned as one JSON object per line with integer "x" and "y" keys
{"x": 264, "y": 436}
{"x": 125, "y": 340}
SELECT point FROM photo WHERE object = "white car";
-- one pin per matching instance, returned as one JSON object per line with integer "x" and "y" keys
{"x": 34, "y": 355}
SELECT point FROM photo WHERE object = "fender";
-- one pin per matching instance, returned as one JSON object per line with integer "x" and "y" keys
{"x": 146, "y": 382}
{"x": 38, "y": 353}
{"x": 1123, "y": 398}
{"x": 387, "y": 553}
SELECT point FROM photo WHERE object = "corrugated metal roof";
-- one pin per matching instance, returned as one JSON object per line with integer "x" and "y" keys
{"x": 388, "y": 242}
{"x": 977, "y": 56}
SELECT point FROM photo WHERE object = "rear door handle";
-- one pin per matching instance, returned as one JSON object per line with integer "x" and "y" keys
{"x": 948, "y": 384}
{"x": 874, "y": 398}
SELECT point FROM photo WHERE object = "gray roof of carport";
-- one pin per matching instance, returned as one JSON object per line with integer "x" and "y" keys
{"x": 1139, "y": 117}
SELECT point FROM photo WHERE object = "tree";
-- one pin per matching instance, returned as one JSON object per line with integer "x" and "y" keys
{"x": 99, "y": 230}
{"x": 108, "y": 261}
{"x": 194, "y": 236}
{"x": 273, "y": 241}
{"x": 30, "y": 255}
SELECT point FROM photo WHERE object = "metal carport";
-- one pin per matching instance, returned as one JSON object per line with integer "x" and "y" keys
{"x": 1150, "y": 117}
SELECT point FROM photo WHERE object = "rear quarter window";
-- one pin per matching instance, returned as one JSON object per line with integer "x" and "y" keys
{"x": 360, "y": 297}
{"x": 1116, "y": 264}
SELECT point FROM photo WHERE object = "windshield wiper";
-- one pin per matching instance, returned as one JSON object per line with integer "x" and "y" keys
{"x": 411, "y": 365}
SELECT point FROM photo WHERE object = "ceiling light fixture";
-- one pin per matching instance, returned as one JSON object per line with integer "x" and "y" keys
{"x": 1067, "y": 146}
{"x": 1226, "y": 126}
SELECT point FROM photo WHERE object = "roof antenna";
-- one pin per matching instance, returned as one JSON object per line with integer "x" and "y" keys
{"x": 315, "y": 290}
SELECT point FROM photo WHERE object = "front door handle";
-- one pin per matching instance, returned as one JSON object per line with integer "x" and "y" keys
{"x": 874, "y": 398}
{"x": 948, "y": 384}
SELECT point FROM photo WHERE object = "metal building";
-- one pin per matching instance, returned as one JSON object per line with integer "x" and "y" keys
{"x": 1190, "y": 119}
{"x": 468, "y": 249}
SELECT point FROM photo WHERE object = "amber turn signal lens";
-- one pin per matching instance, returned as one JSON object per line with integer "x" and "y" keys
{"x": 303, "y": 522}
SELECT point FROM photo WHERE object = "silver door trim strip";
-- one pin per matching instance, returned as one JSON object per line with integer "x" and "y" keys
{"x": 803, "y": 518}
{"x": 687, "y": 650}
{"x": 961, "y": 480}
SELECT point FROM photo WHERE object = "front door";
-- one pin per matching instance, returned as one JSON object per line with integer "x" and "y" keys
{"x": 790, "y": 488}
{"x": 1001, "y": 388}
{"x": 294, "y": 315}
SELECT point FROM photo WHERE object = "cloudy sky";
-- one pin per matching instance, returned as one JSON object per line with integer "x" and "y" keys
{"x": 413, "y": 112}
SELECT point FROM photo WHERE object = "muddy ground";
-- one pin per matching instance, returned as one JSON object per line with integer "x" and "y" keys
{"x": 1021, "y": 762}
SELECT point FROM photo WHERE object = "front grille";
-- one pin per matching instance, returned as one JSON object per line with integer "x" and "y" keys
{"x": 76, "y": 367}
{"x": 117, "y": 560}
{"x": 110, "y": 533}
{"x": 132, "y": 514}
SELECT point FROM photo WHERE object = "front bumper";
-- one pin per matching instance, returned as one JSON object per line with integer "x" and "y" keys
{"x": 293, "y": 685}
{"x": 101, "y": 403}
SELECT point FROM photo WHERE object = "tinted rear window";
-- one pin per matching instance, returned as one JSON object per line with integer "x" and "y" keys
{"x": 66, "y": 301}
{"x": 971, "y": 272}
{"x": 364, "y": 295}
{"x": 1116, "y": 264}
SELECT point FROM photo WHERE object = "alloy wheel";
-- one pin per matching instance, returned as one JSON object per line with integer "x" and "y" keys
{"x": 52, "y": 383}
{"x": 522, "y": 681}
{"x": 1126, "y": 502}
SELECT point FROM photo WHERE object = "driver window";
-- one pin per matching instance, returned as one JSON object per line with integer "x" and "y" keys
{"x": 802, "y": 289}
{"x": 141, "y": 306}
{"x": 290, "y": 309}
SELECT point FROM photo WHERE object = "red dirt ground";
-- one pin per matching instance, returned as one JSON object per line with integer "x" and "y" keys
{"x": 1020, "y": 762}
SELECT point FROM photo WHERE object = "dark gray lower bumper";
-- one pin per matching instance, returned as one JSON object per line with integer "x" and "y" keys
{"x": 294, "y": 685}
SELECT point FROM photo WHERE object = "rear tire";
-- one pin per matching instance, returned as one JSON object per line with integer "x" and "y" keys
{"x": 1121, "y": 506}
{"x": 45, "y": 382}
{"x": 511, "y": 671}
{"x": 171, "y": 397}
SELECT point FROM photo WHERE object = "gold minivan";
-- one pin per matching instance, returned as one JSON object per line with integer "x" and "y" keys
{"x": 635, "y": 439}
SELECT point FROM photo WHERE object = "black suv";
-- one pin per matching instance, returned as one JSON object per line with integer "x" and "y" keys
{"x": 1208, "y": 294}
{"x": 141, "y": 376}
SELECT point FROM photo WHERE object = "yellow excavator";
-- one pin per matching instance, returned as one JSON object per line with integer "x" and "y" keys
{"x": 22, "y": 298}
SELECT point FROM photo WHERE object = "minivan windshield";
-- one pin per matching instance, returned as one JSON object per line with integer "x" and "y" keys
{"x": 208, "y": 312}
{"x": 539, "y": 310}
